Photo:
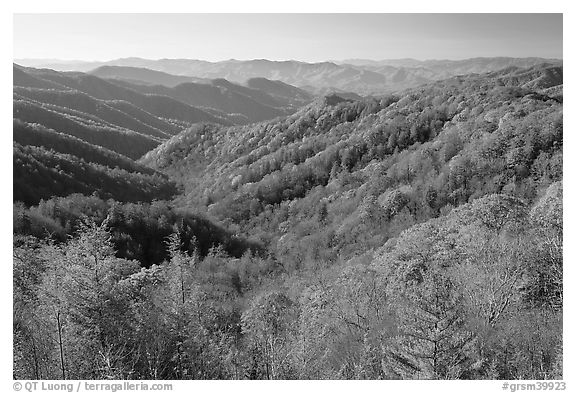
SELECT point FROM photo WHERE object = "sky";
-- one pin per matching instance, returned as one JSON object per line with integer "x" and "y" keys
{"x": 304, "y": 37}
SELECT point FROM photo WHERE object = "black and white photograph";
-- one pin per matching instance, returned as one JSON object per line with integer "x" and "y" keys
{"x": 287, "y": 196}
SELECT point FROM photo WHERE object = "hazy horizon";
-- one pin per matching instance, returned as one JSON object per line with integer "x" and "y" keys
{"x": 307, "y": 38}
{"x": 279, "y": 60}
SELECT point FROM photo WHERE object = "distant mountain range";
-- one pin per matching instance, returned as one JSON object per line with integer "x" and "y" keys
{"x": 365, "y": 77}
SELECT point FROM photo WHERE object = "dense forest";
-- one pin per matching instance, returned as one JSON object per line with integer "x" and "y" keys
{"x": 416, "y": 235}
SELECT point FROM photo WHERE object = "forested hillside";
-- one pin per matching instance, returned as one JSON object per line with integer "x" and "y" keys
{"x": 77, "y": 133}
{"x": 92, "y": 107}
{"x": 399, "y": 160}
{"x": 408, "y": 236}
{"x": 48, "y": 163}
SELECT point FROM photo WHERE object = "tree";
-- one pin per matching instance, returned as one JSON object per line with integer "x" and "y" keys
{"x": 433, "y": 342}
{"x": 267, "y": 323}
{"x": 38, "y": 311}
{"x": 97, "y": 318}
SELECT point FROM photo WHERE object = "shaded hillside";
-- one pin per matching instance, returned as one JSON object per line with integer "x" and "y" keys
{"x": 143, "y": 76}
{"x": 85, "y": 127}
{"x": 139, "y": 230}
{"x": 40, "y": 174}
{"x": 80, "y": 104}
{"x": 23, "y": 79}
{"x": 27, "y": 134}
{"x": 284, "y": 93}
{"x": 227, "y": 98}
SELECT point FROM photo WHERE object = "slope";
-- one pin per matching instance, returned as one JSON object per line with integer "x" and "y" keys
{"x": 355, "y": 173}
{"x": 222, "y": 96}
{"x": 143, "y": 76}
{"x": 159, "y": 106}
{"x": 40, "y": 174}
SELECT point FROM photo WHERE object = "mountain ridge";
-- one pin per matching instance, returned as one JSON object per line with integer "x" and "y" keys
{"x": 364, "y": 77}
